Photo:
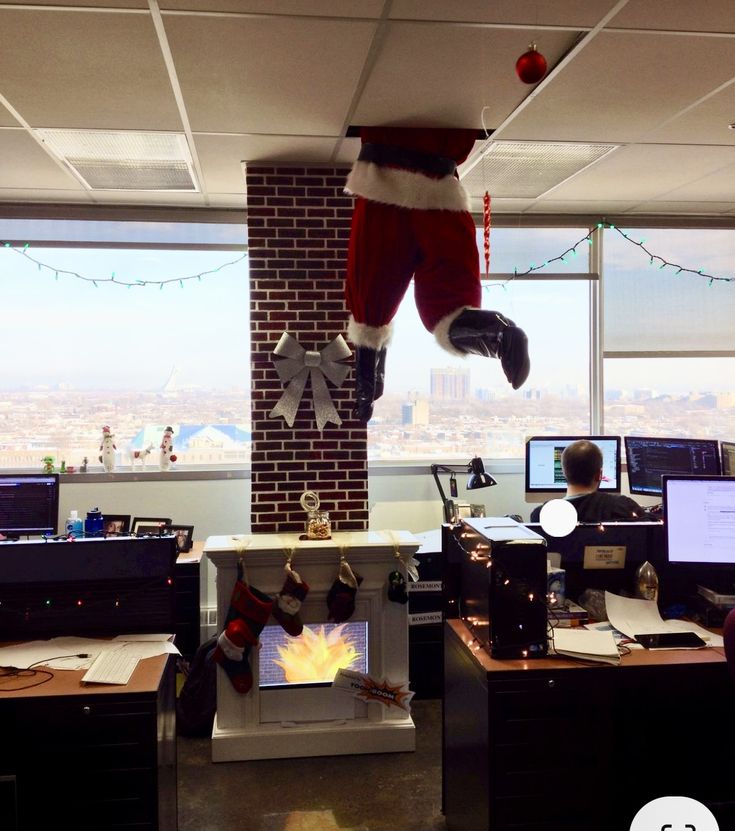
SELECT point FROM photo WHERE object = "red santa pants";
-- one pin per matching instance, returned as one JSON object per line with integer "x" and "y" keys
{"x": 389, "y": 245}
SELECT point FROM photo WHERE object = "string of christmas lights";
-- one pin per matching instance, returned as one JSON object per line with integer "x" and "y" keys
{"x": 23, "y": 251}
{"x": 654, "y": 259}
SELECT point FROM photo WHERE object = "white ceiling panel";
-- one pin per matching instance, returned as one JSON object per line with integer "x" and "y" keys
{"x": 288, "y": 81}
{"x": 482, "y": 76}
{"x": 530, "y": 13}
{"x": 221, "y": 156}
{"x": 25, "y": 164}
{"x": 643, "y": 171}
{"x": 77, "y": 69}
{"x": 623, "y": 85}
{"x": 260, "y": 75}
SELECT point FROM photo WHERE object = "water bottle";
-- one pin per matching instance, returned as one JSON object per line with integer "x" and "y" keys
{"x": 93, "y": 523}
{"x": 646, "y": 582}
{"x": 74, "y": 526}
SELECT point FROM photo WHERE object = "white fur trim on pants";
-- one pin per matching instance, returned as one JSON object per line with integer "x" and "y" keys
{"x": 441, "y": 331}
{"x": 374, "y": 337}
{"x": 406, "y": 188}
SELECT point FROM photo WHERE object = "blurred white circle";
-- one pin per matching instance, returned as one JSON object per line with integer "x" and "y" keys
{"x": 558, "y": 517}
{"x": 674, "y": 813}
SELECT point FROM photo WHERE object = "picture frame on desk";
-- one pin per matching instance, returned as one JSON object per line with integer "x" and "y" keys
{"x": 151, "y": 525}
{"x": 184, "y": 537}
{"x": 116, "y": 525}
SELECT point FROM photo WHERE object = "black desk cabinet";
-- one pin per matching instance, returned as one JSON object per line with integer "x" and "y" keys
{"x": 91, "y": 761}
{"x": 574, "y": 748}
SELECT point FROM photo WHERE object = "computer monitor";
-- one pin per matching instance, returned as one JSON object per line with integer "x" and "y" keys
{"x": 648, "y": 459}
{"x": 699, "y": 516}
{"x": 544, "y": 476}
{"x": 727, "y": 454}
{"x": 29, "y": 504}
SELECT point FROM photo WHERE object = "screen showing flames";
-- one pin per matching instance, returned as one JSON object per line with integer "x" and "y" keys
{"x": 315, "y": 656}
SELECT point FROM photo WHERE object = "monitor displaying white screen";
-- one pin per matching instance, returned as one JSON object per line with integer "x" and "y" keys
{"x": 544, "y": 475}
{"x": 699, "y": 517}
{"x": 649, "y": 458}
{"x": 727, "y": 452}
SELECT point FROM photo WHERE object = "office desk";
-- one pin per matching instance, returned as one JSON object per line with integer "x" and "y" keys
{"x": 90, "y": 757}
{"x": 555, "y": 745}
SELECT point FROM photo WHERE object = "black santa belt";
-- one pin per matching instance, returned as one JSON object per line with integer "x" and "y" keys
{"x": 384, "y": 155}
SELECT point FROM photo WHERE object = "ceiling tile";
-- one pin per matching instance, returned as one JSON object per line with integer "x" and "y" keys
{"x": 622, "y": 86}
{"x": 705, "y": 123}
{"x": 465, "y": 71}
{"x": 260, "y": 75}
{"x": 712, "y": 16}
{"x": 26, "y": 165}
{"x": 307, "y": 8}
{"x": 81, "y": 69}
{"x": 221, "y": 156}
{"x": 667, "y": 207}
{"x": 643, "y": 171}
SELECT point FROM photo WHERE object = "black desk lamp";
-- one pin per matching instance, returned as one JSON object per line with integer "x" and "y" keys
{"x": 478, "y": 478}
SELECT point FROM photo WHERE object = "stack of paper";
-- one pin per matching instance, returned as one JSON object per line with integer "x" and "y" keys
{"x": 586, "y": 645}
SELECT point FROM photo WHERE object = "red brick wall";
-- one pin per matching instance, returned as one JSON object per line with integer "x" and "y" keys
{"x": 298, "y": 231}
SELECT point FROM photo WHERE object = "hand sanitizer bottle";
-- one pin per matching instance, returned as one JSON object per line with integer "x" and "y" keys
{"x": 646, "y": 582}
{"x": 74, "y": 526}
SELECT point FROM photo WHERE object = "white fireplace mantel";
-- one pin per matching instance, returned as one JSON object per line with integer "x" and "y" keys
{"x": 272, "y": 723}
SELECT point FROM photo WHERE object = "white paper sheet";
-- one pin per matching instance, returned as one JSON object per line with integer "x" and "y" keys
{"x": 585, "y": 641}
{"x": 634, "y": 616}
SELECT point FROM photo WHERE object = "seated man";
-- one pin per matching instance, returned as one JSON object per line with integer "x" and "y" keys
{"x": 581, "y": 462}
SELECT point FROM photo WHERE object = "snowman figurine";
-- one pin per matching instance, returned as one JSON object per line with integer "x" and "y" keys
{"x": 107, "y": 450}
{"x": 167, "y": 456}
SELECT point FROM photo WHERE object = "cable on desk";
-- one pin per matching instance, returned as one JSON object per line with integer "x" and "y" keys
{"x": 29, "y": 672}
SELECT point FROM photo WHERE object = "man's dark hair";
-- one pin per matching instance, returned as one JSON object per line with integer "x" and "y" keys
{"x": 581, "y": 462}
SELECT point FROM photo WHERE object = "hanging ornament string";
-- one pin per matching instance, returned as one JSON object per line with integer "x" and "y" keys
{"x": 655, "y": 260}
{"x": 486, "y": 229}
{"x": 23, "y": 251}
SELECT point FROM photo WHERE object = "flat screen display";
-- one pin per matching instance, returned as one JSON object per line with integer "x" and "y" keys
{"x": 314, "y": 656}
{"x": 699, "y": 516}
{"x": 648, "y": 459}
{"x": 29, "y": 504}
{"x": 544, "y": 476}
{"x": 727, "y": 453}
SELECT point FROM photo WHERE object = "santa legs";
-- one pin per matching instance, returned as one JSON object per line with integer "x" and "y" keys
{"x": 411, "y": 222}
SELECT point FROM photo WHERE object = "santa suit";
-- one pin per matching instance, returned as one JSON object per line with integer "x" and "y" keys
{"x": 411, "y": 220}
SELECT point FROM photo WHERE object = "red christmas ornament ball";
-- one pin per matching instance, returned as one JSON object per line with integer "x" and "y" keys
{"x": 531, "y": 66}
{"x": 173, "y": 457}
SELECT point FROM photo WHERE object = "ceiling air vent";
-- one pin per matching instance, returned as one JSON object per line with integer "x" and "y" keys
{"x": 518, "y": 169}
{"x": 122, "y": 160}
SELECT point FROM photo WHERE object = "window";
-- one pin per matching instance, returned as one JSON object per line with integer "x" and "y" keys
{"x": 439, "y": 406}
{"x": 669, "y": 342}
{"x": 79, "y": 356}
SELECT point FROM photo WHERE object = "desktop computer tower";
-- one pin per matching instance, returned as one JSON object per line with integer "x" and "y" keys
{"x": 503, "y": 584}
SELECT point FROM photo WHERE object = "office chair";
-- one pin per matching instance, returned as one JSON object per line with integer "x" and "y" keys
{"x": 728, "y": 635}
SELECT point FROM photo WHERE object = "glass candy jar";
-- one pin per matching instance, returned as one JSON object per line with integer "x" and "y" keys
{"x": 318, "y": 526}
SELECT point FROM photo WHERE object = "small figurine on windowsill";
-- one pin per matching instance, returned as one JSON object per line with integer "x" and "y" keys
{"x": 48, "y": 464}
{"x": 166, "y": 457}
{"x": 107, "y": 450}
{"x": 83, "y": 466}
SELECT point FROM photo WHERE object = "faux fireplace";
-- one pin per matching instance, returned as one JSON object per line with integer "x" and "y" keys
{"x": 293, "y": 709}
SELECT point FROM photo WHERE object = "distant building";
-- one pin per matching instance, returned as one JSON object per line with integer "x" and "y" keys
{"x": 415, "y": 412}
{"x": 450, "y": 384}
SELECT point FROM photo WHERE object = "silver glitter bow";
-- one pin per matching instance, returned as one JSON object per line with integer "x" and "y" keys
{"x": 297, "y": 366}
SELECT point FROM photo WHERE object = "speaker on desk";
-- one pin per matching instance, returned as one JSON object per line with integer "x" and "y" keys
{"x": 502, "y": 596}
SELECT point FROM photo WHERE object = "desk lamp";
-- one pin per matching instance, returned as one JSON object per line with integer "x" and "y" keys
{"x": 478, "y": 478}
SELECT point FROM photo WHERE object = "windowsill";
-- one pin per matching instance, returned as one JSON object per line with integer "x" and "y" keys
{"x": 154, "y": 475}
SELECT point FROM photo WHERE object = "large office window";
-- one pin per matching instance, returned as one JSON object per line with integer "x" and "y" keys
{"x": 79, "y": 353}
{"x": 669, "y": 340}
{"x": 439, "y": 406}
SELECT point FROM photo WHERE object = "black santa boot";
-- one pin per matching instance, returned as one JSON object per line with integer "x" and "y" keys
{"x": 366, "y": 364}
{"x": 488, "y": 333}
{"x": 380, "y": 374}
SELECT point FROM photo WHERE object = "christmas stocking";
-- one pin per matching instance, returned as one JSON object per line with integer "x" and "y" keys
{"x": 288, "y": 602}
{"x": 397, "y": 587}
{"x": 248, "y": 613}
{"x": 341, "y": 596}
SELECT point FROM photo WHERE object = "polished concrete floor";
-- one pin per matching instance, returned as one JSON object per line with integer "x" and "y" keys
{"x": 377, "y": 792}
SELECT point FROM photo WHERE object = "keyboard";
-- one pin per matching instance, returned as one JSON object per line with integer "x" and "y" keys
{"x": 111, "y": 666}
